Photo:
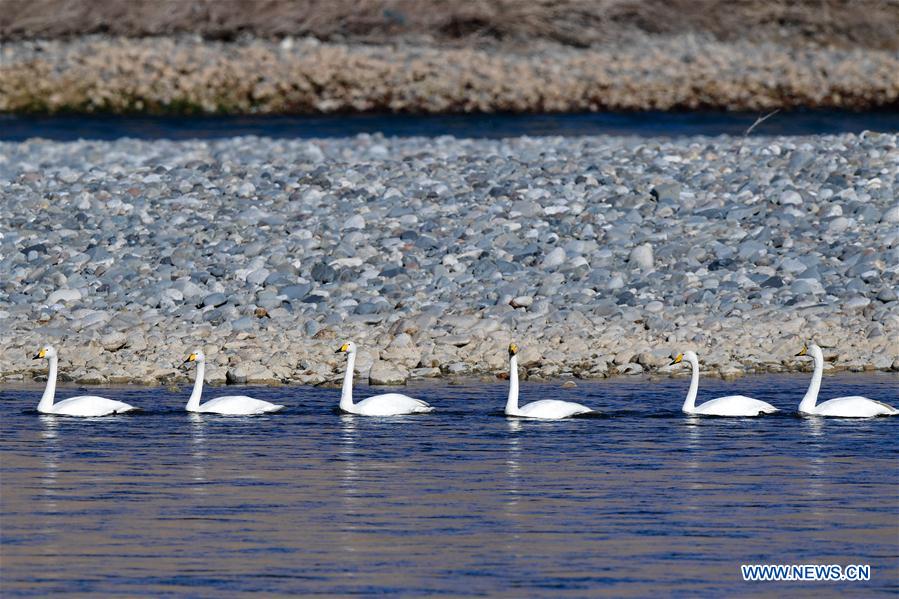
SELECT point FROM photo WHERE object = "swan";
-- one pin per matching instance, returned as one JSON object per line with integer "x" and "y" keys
{"x": 387, "y": 404}
{"x": 83, "y": 405}
{"x": 546, "y": 409}
{"x": 853, "y": 406}
{"x": 228, "y": 405}
{"x": 731, "y": 405}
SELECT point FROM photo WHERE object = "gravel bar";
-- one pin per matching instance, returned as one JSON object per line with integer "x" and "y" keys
{"x": 599, "y": 256}
{"x": 177, "y": 75}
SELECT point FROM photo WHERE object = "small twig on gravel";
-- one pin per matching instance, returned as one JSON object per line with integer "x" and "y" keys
{"x": 760, "y": 120}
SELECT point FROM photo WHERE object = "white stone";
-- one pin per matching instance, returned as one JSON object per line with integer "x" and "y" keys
{"x": 246, "y": 189}
{"x": 522, "y": 301}
{"x": 839, "y": 224}
{"x": 63, "y": 296}
{"x": 354, "y": 222}
{"x": 891, "y": 215}
{"x": 792, "y": 265}
{"x": 654, "y": 307}
{"x": 790, "y": 198}
{"x": 258, "y": 276}
{"x": 173, "y": 294}
{"x": 553, "y": 259}
{"x": 857, "y": 302}
{"x": 616, "y": 283}
{"x": 642, "y": 256}
{"x": 385, "y": 373}
{"x": 113, "y": 341}
{"x": 347, "y": 262}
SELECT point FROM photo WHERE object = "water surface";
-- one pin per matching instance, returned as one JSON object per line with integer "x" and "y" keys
{"x": 647, "y": 124}
{"x": 459, "y": 502}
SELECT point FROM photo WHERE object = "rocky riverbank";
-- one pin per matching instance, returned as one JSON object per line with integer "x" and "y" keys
{"x": 598, "y": 256}
{"x": 178, "y": 75}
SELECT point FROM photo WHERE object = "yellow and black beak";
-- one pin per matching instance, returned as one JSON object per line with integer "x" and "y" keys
{"x": 513, "y": 349}
{"x": 41, "y": 354}
{"x": 343, "y": 348}
{"x": 803, "y": 351}
{"x": 677, "y": 360}
{"x": 190, "y": 358}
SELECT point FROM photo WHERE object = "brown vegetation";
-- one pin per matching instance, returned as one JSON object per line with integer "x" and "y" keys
{"x": 842, "y": 23}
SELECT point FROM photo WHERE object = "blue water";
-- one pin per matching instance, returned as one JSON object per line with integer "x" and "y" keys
{"x": 669, "y": 124}
{"x": 642, "y": 501}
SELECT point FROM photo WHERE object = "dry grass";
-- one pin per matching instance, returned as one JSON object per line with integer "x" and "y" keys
{"x": 858, "y": 23}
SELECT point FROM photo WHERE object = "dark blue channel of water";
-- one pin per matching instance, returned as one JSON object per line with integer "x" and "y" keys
{"x": 645, "y": 124}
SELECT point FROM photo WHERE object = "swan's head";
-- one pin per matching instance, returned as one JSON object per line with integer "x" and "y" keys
{"x": 48, "y": 351}
{"x": 513, "y": 349}
{"x": 811, "y": 350}
{"x": 689, "y": 357}
{"x": 195, "y": 356}
{"x": 347, "y": 348}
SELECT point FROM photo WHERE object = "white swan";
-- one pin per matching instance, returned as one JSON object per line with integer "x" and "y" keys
{"x": 731, "y": 405}
{"x": 387, "y": 404}
{"x": 228, "y": 405}
{"x": 853, "y": 406}
{"x": 547, "y": 409}
{"x": 83, "y": 405}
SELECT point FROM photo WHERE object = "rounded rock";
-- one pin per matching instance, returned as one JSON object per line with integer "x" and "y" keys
{"x": 642, "y": 257}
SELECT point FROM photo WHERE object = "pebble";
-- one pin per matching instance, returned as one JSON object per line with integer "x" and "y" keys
{"x": 384, "y": 373}
{"x": 890, "y": 215}
{"x": 642, "y": 257}
{"x": 113, "y": 341}
{"x": 554, "y": 258}
{"x": 666, "y": 193}
{"x": 790, "y": 198}
{"x": 354, "y": 222}
{"x": 214, "y": 299}
{"x": 63, "y": 296}
{"x": 433, "y": 254}
{"x": 655, "y": 307}
{"x": 522, "y": 301}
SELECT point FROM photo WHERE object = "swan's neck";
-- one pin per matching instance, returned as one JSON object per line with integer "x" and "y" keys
{"x": 512, "y": 402}
{"x": 690, "y": 402}
{"x": 346, "y": 394}
{"x": 193, "y": 404}
{"x": 50, "y": 390}
{"x": 811, "y": 396}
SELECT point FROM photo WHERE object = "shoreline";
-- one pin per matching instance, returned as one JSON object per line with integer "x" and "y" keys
{"x": 598, "y": 256}
{"x": 183, "y": 383}
{"x": 188, "y": 75}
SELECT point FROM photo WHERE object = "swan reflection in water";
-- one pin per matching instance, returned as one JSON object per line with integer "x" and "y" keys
{"x": 815, "y": 465}
{"x": 349, "y": 483}
{"x": 512, "y": 501}
{"x": 198, "y": 452}
{"x": 52, "y": 453}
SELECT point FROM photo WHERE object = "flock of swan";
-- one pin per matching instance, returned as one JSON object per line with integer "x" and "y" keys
{"x": 396, "y": 404}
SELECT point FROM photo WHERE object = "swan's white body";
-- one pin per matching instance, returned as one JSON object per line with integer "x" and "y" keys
{"x": 730, "y": 405}
{"x": 386, "y": 404}
{"x": 83, "y": 405}
{"x": 853, "y": 406}
{"x": 546, "y": 409}
{"x": 227, "y": 405}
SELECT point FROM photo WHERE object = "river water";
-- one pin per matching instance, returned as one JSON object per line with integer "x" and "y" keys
{"x": 644, "y": 124}
{"x": 459, "y": 502}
